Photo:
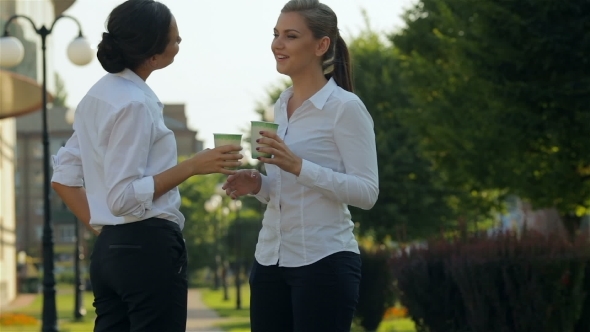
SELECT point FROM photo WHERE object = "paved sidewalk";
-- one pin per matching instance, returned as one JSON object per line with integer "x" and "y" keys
{"x": 200, "y": 318}
{"x": 21, "y": 300}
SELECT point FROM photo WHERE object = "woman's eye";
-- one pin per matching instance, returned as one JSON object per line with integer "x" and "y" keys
{"x": 291, "y": 37}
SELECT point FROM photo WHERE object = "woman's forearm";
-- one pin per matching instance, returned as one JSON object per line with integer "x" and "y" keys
{"x": 76, "y": 200}
{"x": 171, "y": 178}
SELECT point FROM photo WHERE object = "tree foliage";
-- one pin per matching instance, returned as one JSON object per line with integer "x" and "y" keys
{"x": 411, "y": 199}
{"x": 206, "y": 233}
{"x": 499, "y": 92}
{"x": 198, "y": 228}
{"x": 61, "y": 95}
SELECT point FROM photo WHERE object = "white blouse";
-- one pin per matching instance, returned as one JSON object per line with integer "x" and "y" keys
{"x": 307, "y": 217}
{"x": 119, "y": 143}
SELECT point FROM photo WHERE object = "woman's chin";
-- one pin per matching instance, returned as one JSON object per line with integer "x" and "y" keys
{"x": 282, "y": 70}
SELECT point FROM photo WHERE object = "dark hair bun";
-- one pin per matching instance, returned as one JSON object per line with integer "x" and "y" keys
{"x": 137, "y": 30}
{"x": 110, "y": 55}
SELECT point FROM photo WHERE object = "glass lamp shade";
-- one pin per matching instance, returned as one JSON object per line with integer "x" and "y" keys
{"x": 80, "y": 52}
{"x": 12, "y": 51}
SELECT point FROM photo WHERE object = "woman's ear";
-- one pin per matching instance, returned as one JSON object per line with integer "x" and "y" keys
{"x": 323, "y": 46}
{"x": 152, "y": 61}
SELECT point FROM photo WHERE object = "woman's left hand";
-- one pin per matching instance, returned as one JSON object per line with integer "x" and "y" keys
{"x": 281, "y": 155}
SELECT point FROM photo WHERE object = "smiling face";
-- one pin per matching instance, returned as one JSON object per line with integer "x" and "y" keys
{"x": 295, "y": 48}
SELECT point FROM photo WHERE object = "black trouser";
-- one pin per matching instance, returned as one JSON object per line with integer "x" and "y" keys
{"x": 138, "y": 275}
{"x": 318, "y": 297}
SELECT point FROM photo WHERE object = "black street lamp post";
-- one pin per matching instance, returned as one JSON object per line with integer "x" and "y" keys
{"x": 79, "y": 310}
{"x": 211, "y": 206}
{"x": 238, "y": 261}
{"x": 11, "y": 53}
{"x": 236, "y": 206}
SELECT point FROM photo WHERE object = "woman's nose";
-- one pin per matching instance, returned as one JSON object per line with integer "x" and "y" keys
{"x": 277, "y": 43}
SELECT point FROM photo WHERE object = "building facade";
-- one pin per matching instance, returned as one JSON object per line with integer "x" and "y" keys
{"x": 186, "y": 141}
{"x": 7, "y": 216}
{"x": 20, "y": 93}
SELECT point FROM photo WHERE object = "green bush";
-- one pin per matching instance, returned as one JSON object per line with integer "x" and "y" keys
{"x": 376, "y": 292}
{"x": 584, "y": 321}
{"x": 505, "y": 283}
{"x": 65, "y": 277}
{"x": 427, "y": 288}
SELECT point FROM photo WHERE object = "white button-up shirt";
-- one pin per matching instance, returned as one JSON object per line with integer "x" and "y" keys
{"x": 307, "y": 217}
{"x": 119, "y": 143}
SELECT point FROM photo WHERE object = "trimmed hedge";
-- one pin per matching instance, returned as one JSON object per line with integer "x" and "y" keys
{"x": 502, "y": 283}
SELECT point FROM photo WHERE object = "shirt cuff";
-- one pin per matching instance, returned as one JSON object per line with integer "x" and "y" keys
{"x": 144, "y": 191}
{"x": 309, "y": 173}
{"x": 263, "y": 194}
{"x": 67, "y": 175}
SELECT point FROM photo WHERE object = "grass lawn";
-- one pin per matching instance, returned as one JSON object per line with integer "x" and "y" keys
{"x": 65, "y": 314}
{"x": 397, "y": 325}
{"x": 239, "y": 320}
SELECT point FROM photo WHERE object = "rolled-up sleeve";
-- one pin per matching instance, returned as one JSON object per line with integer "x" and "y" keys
{"x": 263, "y": 194}
{"x": 355, "y": 138}
{"x": 67, "y": 164}
{"x": 129, "y": 190}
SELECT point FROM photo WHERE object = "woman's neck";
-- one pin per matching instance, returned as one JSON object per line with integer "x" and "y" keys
{"x": 307, "y": 84}
{"x": 143, "y": 72}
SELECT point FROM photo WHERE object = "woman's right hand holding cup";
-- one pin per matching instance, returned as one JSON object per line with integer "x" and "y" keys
{"x": 218, "y": 160}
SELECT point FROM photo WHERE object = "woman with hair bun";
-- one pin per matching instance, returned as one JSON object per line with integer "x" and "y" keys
{"x": 118, "y": 173}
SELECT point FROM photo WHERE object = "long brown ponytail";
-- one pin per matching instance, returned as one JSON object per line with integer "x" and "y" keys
{"x": 342, "y": 71}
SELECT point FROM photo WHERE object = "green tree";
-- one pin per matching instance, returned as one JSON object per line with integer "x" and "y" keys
{"x": 411, "y": 200}
{"x": 61, "y": 94}
{"x": 207, "y": 233}
{"x": 273, "y": 93}
{"x": 199, "y": 226}
{"x": 499, "y": 93}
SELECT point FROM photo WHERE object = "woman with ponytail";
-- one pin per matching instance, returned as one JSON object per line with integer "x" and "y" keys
{"x": 118, "y": 173}
{"x": 307, "y": 266}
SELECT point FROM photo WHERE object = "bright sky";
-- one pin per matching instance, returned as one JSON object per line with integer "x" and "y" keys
{"x": 224, "y": 66}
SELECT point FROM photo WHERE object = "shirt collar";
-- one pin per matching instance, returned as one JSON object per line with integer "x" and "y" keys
{"x": 319, "y": 99}
{"x": 129, "y": 75}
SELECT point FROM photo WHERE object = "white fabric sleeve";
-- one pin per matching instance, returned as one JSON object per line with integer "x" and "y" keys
{"x": 67, "y": 164}
{"x": 129, "y": 191}
{"x": 355, "y": 138}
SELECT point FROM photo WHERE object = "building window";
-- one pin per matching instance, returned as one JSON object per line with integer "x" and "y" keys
{"x": 39, "y": 207}
{"x": 18, "y": 207}
{"x": 17, "y": 178}
{"x": 39, "y": 232}
{"x": 37, "y": 151}
{"x": 38, "y": 179}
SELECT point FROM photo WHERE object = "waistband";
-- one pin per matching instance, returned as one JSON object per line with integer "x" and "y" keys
{"x": 151, "y": 222}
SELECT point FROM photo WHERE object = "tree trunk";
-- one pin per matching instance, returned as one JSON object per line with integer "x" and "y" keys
{"x": 583, "y": 324}
{"x": 572, "y": 223}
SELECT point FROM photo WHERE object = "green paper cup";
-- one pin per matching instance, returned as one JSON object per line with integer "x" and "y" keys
{"x": 258, "y": 126}
{"x": 227, "y": 139}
